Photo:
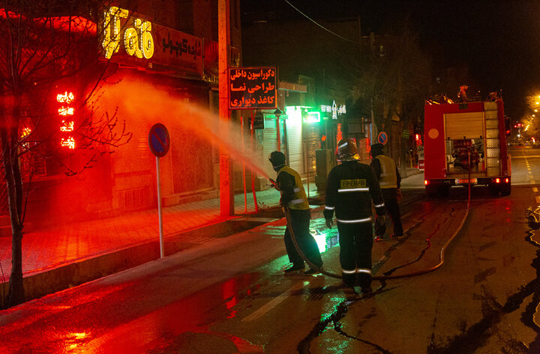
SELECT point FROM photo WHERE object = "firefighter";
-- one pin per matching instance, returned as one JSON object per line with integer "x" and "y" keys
{"x": 390, "y": 181}
{"x": 293, "y": 197}
{"x": 351, "y": 187}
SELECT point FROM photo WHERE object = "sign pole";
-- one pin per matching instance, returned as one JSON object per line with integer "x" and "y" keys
{"x": 159, "y": 142}
{"x": 160, "y": 214}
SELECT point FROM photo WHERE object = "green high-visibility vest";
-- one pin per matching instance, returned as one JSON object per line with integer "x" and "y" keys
{"x": 388, "y": 172}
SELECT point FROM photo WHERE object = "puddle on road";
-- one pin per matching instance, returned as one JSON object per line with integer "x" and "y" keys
{"x": 333, "y": 319}
{"x": 481, "y": 331}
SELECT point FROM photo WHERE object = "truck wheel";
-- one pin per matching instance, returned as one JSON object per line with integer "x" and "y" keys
{"x": 444, "y": 191}
{"x": 494, "y": 190}
{"x": 431, "y": 191}
{"x": 506, "y": 189}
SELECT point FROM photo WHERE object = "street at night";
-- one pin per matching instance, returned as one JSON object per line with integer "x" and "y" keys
{"x": 269, "y": 177}
{"x": 230, "y": 295}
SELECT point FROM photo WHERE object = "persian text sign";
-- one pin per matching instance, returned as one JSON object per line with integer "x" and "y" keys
{"x": 252, "y": 88}
{"x": 131, "y": 40}
{"x": 175, "y": 49}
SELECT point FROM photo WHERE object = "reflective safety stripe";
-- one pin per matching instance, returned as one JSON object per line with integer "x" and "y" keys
{"x": 329, "y": 208}
{"x": 353, "y": 190}
{"x": 349, "y": 271}
{"x": 363, "y": 270}
{"x": 299, "y": 197}
{"x": 379, "y": 205}
{"x": 343, "y": 145}
{"x": 354, "y": 221}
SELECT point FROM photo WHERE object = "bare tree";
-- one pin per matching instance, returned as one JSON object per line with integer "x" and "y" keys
{"x": 395, "y": 78}
{"x": 45, "y": 46}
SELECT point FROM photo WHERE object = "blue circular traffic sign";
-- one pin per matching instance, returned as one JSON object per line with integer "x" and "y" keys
{"x": 158, "y": 140}
{"x": 382, "y": 138}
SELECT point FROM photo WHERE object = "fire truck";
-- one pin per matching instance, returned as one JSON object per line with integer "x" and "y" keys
{"x": 465, "y": 143}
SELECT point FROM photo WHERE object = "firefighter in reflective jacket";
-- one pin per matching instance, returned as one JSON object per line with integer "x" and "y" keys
{"x": 293, "y": 197}
{"x": 351, "y": 188}
{"x": 390, "y": 181}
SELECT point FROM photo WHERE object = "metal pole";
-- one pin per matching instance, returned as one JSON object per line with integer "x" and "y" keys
{"x": 243, "y": 164}
{"x": 226, "y": 185}
{"x": 253, "y": 172}
{"x": 278, "y": 133}
{"x": 160, "y": 215}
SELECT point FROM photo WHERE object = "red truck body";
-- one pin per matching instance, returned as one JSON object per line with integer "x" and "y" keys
{"x": 466, "y": 143}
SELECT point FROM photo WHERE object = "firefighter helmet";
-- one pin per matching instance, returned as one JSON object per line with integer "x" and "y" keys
{"x": 277, "y": 159}
{"x": 346, "y": 149}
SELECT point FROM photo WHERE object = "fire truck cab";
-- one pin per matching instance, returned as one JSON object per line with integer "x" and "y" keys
{"x": 466, "y": 143}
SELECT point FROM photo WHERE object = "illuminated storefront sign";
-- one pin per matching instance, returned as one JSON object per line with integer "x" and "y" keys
{"x": 137, "y": 38}
{"x": 312, "y": 117}
{"x": 67, "y": 125}
{"x": 130, "y": 40}
{"x": 251, "y": 88}
{"x": 334, "y": 109}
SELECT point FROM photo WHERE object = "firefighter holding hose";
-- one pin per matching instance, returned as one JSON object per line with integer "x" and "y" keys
{"x": 351, "y": 188}
{"x": 293, "y": 197}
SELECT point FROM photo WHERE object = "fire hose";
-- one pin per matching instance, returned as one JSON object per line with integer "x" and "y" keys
{"x": 385, "y": 277}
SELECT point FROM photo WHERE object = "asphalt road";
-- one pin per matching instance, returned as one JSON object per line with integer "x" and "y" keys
{"x": 463, "y": 280}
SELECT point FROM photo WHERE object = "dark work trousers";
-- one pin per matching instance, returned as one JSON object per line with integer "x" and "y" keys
{"x": 299, "y": 220}
{"x": 356, "y": 243}
{"x": 392, "y": 209}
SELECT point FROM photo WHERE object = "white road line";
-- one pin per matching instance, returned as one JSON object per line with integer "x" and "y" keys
{"x": 269, "y": 306}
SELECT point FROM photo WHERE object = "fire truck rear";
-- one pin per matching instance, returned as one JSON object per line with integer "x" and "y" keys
{"x": 466, "y": 143}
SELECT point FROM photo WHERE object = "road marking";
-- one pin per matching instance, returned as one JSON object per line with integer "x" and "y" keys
{"x": 535, "y": 189}
{"x": 269, "y": 306}
{"x": 537, "y": 198}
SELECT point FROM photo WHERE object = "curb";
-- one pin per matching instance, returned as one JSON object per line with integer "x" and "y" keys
{"x": 40, "y": 283}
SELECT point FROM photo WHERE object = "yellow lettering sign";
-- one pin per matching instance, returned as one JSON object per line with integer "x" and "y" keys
{"x": 137, "y": 38}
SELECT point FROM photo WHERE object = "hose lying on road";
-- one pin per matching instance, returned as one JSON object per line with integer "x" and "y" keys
{"x": 383, "y": 277}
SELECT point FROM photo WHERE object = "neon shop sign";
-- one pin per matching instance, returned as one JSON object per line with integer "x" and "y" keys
{"x": 136, "y": 36}
{"x": 334, "y": 109}
{"x": 66, "y": 112}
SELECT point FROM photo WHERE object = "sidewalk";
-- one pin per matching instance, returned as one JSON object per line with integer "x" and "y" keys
{"x": 74, "y": 253}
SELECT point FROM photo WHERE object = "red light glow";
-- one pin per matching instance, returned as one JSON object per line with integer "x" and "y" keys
{"x": 67, "y": 127}
{"x": 426, "y": 182}
{"x": 65, "y": 97}
{"x": 69, "y": 142}
{"x": 66, "y": 111}
{"x": 497, "y": 180}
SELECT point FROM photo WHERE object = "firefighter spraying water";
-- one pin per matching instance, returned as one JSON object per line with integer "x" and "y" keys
{"x": 293, "y": 197}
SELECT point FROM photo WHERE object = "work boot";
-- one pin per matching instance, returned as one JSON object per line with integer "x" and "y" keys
{"x": 366, "y": 290}
{"x": 312, "y": 271}
{"x": 294, "y": 268}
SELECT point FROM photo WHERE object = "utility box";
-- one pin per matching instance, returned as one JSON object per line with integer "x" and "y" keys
{"x": 324, "y": 160}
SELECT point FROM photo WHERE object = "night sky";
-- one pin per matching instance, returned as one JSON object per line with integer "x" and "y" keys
{"x": 498, "y": 40}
